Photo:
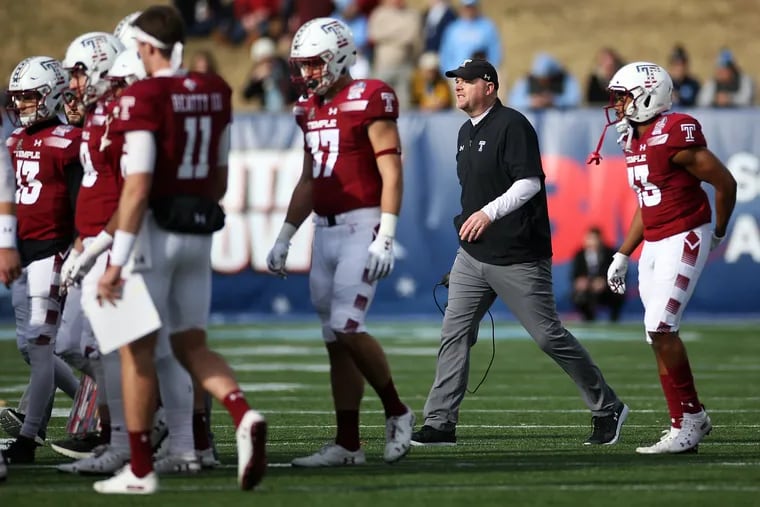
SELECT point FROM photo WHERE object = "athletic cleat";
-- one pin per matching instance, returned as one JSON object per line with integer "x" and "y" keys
{"x": 21, "y": 451}
{"x": 207, "y": 458}
{"x": 694, "y": 427}
{"x": 126, "y": 483}
{"x": 105, "y": 461}
{"x": 331, "y": 455}
{"x": 79, "y": 446}
{"x": 398, "y": 436}
{"x": 251, "y": 437}
{"x": 185, "y": 463}
{"x": 427, "y": 435}
{"x": 607, "y": 428}
{"x": 11, "y": 422}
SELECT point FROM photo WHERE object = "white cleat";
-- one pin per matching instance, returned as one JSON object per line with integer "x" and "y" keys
{"x": 207, "y": 458}
{"x": 684, "y": 440}
{"x": 251, "y": 438}
{"x": 126, "y": 483}
{"x": 398, "y": 436}
{"x": 694, "y": 427}
{"x": 105, "y": 461}
{"x": 185, "y": 463}
{"x": 662, "y": 446}
{"x": 331, "y": 455}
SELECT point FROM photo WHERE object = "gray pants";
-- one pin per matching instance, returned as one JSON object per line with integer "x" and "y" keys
{"x": 527, "y": 291}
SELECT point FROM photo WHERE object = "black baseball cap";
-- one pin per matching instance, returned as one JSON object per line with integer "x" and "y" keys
{"x": 475, "y": 68}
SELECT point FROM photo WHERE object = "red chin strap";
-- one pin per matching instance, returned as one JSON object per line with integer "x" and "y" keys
{"x": 595, "y": 157}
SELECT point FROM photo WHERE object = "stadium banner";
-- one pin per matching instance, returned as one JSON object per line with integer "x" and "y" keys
{"x": 265, "y": 163}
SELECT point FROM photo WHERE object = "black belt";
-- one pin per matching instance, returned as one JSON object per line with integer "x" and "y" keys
{"x": 330, "y": 220}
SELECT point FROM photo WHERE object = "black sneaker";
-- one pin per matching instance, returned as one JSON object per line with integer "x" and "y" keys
{"x": 607, "y": 428}
{"x": 12, "y": 420}
{"x": 20, "y": 451}
{"x": 78, "y": 446}
{"x": 427, "y": 435}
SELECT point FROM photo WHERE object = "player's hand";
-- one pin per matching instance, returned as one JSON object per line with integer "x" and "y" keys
{"x": 68, "y": 265}
{"x": 616, "y": 273}
{"x": 10, "y": 265}
{"x": 380, "y": 261}
{"x": 82, "y": 266}
{"x": 716, "y": 240}
{"x": 110, "y": 285}
{"x": 277, "y": 257}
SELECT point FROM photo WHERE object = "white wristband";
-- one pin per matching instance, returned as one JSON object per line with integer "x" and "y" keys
{"x": 100, "y": 244}
{"x": 286, "y": 233}
{"x": 123, "y": 242}
{"x": 388, "y": 223}
{"x": 8, "y": 231}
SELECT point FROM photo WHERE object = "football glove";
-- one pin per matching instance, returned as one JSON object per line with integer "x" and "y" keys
{"x": 380, "y": 261}
{"x": 616, "y": 273}
{"x": 277, "y": 257}
{"x": 715, "y": 241}
{"x": 66, "y": 269}
{"x": 279, "y": 252}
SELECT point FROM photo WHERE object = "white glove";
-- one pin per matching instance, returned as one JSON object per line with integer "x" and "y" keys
{"x": 82, "y": 266}
{"x": 380, "y": 261}
{"x": 66, "y": 269}
{"x": 279, "y": 252}
{"x": 715, "y": 241}
{"x": 78, "y": 264}
{"x": 616, "y": 273}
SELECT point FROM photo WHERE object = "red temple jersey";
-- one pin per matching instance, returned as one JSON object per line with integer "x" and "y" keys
{"x": 345, "y": 173}
{"x": 187, "y": 113}
{"x": 40, "y": 159}
{"x": 100, "y": 154}
{"x": 670, "y": 197}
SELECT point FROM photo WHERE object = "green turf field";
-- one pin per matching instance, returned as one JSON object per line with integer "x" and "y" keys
{"x": 520, "y": 436}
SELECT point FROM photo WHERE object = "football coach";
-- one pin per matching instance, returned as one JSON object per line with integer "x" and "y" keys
{"x": 505, "y": 250}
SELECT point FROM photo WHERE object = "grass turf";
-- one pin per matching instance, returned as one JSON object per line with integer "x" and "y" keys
{"x": 519, "y": 438}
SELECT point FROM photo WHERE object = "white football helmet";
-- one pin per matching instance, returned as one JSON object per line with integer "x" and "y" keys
{"x": 322, "y": 40}
{"x": 41, "y": 78}
{"x": 93, "y": 53}
{"x": 125, "y": 32}
{"x": 649, "y": 85}
{"x": 127, "y": 68}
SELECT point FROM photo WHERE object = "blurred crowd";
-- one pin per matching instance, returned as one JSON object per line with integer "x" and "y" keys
{"x": 410, "y": 50}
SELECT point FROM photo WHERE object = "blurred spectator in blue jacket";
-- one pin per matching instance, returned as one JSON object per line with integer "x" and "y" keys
{"x": 436, "y": 19}
{"x": 548, "y": 85}
{"x": 729, "y": 87}
{"x": 608, "y": 61}
{"x": 470, "y": 33}
{"x": 685, "y": 86}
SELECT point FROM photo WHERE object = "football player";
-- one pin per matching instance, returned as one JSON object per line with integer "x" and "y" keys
{"x": 176, "y": 141}
{"x": 352, "y": 181}
{"x": 667, "y": 160}
{"x": 44, "y": 152}
{"x": 87, "y": 59}
{"x": 10, "y": 263}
